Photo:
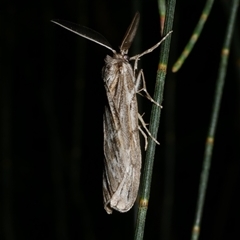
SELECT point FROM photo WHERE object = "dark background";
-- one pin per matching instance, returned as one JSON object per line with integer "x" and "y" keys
{"x": 52, "y": 101}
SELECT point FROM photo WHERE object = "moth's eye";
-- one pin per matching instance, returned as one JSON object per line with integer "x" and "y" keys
{"x": 126, "y": 57}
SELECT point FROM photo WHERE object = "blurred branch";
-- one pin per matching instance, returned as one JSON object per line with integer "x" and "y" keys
{"x": 196, "y": 33}
{"x": 214, "y": 120}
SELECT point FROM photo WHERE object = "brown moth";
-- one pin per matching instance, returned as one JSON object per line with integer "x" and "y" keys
{"x": 122, "y": 152}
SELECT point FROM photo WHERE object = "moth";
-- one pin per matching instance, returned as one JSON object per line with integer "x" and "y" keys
{"x": 122, "y": 152}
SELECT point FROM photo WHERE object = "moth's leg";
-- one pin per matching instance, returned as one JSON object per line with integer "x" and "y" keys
{"x": 136, "y": 57}
{"x": 136, "y": 63}
{"x": 145, "y": 137}
{"x": 140, "y": 80}
{"x": 144, "y": 126}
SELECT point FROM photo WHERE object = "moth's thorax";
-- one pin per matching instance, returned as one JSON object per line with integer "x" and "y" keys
{"x": 117, "y": 68}
{"x": 118, "y": 59}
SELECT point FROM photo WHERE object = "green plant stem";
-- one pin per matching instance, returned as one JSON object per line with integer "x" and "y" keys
{"x": 162, "y": 13}
{"x": 196, "y": 33}
{"x": 214, "y": 119}
{"x": 154, "y": 124}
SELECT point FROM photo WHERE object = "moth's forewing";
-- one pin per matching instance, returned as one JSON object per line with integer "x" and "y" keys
{"x": 121, "y": 137}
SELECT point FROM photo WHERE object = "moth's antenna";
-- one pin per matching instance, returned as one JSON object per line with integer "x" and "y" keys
{"x": 85, "y": 32}
{"x": 130, "y": 34}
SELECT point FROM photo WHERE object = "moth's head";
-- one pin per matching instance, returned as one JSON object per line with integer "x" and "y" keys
{"x": 123, "y": 56}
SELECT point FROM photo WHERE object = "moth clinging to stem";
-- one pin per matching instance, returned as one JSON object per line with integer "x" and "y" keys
{"x": 122, "y": 152}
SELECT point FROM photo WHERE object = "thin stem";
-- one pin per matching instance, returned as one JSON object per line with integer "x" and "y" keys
{"x": 162, "y": 13}
{"x": 154, "y": 124}
{"x": 214, "y": 119}
{"x": 196, "y": 33}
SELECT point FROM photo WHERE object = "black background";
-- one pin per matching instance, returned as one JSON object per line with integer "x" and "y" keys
{"x": 52, "y": 101}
